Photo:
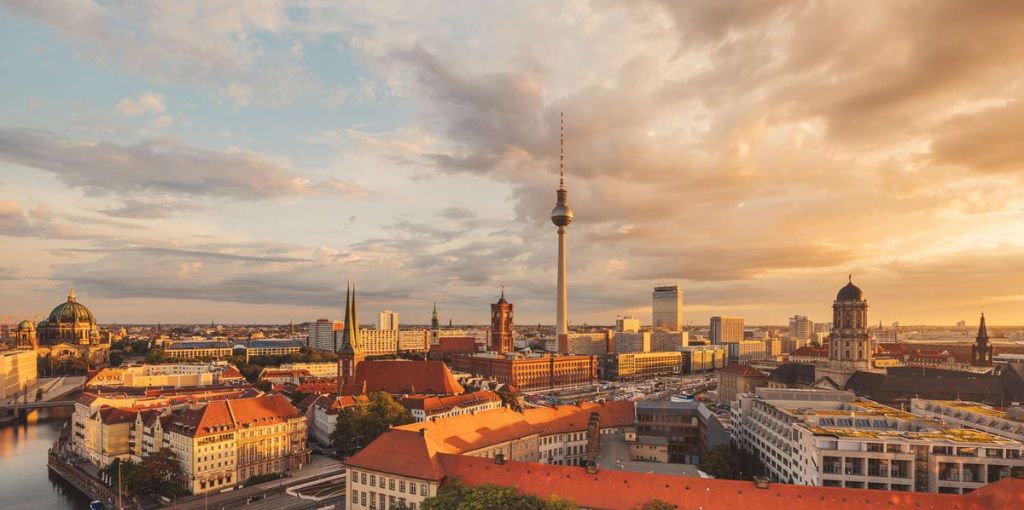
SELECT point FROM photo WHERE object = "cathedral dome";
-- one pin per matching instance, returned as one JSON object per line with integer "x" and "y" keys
{"x": 850, "y": 292}
{"x": 70, "y": 312}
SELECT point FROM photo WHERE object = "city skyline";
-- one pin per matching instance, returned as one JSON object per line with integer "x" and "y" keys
{"x": 278, "y": 151}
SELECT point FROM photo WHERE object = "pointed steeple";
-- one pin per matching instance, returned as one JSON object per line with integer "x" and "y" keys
{"x": 434, "y": 324}
{"x": 350, "y": 342}
{"x": 982, "y": 330}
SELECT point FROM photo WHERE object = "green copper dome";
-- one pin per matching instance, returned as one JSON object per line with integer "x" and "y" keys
{"x": 26, "y": 325}
{"x": 71, "y": 312}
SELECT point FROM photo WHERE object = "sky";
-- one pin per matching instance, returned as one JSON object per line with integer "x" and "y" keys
{"x": 239, "y": 161}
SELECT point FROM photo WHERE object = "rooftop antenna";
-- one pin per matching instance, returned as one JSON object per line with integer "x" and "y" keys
{"x": 561, "y": 151}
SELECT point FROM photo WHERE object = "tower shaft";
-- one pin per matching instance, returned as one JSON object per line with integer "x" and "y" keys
{"x": 561, "y": 312}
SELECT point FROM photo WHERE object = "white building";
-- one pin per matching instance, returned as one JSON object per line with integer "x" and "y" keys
{"x": 667, "y": 308}
{"x": 725, "y": 330}
{"x": 387, "y": 320}
{"x": 17, "y": 371}
{"x": 318, "y": 369}
{"x": 801, "y": 327}
{"x": 1008, "y": 424}
{"x": 833, "y": 439}
{"x": 627, "y": 323}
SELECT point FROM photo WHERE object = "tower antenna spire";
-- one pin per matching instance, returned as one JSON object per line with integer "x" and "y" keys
{"x": 561, "y": 150}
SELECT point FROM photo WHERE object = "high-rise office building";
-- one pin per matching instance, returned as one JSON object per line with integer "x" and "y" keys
{"x": 387, "y": 320}
{"x": 726, "y": 330}
{"x": 801, "y": 327}
{"x": 667, "y": 308}
{"x": 627, "y": 323}
{"x": 321, "y": 335}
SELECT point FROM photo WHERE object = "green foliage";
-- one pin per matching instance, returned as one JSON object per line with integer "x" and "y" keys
{"x": 116, "y": 359}
{"x": 39, "y": 394}
{"x": 157, "y": 473}
{"x": 156, "y": 356}
{"x": 656, "y": 504}
{"x": 48, "y": 365}
{"x": 731, "y": 463}
{"x": 455, "y": 496}
{"x": 510, "y": 399}
{"x": 361, "y": 424}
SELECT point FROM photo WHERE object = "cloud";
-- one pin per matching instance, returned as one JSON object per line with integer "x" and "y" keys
{"x": 139, "y": 209}
{"x": 148, "y": 102}
{"x": 40, "y": 222}
{"x": 162, "y": 166}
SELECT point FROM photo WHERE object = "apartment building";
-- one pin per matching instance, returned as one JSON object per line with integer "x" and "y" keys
{"x": 203, "y": 350}
{"x": 225, "y": 442}
{"x": 537, "y": 435}
{"x": 642, "y": 365}
{"x": 321, "y": 335}
{"x": 1008, "y": 424}
{"x": 317, "y": 369}
{"x": 834, "y": 439}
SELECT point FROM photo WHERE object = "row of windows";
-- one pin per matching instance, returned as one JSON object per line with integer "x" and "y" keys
{"x": 385, "y": 501}
{"x": 389, "y": 483}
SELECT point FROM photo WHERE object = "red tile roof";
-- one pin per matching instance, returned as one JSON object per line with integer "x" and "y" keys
{"x": 400, "y": 377}
{"x": 615, "y": 489}
{"x": 220, "y": 415}
{"x": 407, "y": 454}
{"x": 743, "y": 370}
{"x": 435, "y": 405}
{"x": 470, "y": 432}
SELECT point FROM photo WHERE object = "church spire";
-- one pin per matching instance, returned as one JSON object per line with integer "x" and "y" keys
{"x": 350, "y": 342}
{"x": 434, "y": 324}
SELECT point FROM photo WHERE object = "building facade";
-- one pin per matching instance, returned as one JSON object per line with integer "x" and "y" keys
{"x": 667, "y": 308}
{"x": 726, "y": 330}
{"x": 642, "y": 365}
{"x": 387, "y": 320}
{"x": 801, "y": 327}
{"x": 17, "y": 372}
{"x": 531, "y": 373}
{"x": 833, "y": 439}
{"x": 321, "y": 335}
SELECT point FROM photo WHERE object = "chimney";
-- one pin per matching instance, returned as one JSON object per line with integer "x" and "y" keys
{"x": 499, "y": 459}
{"x": 591, "y": 468}
{"x": 761, "y": 482}
{"x": 423, "y": 432}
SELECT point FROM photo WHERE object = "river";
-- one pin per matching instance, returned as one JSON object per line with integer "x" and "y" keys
{"x": 25, "y": 482}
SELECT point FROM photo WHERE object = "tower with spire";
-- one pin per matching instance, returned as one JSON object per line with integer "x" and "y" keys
{"x": 501, "y": 324}
{"x": 350, "y": 352}
{"x": 981, "y": 351}
{"x": 435, "y": 327}
{"x": 561, "y": 216}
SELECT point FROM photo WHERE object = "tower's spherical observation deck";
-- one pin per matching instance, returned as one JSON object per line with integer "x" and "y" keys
{"x": 561, "y": 215}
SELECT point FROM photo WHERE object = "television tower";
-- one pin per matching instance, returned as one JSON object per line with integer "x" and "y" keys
{"x": 561, "y": 216}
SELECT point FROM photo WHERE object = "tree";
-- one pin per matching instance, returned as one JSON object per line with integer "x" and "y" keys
{"x": 362, "y": 423}
{"x": 510, "y": 398}
{"x": 731, "y": 463}
{"x": 455, "y": 496}
{"x": 657, "y": 504}
{"x": 116, "y": 359}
